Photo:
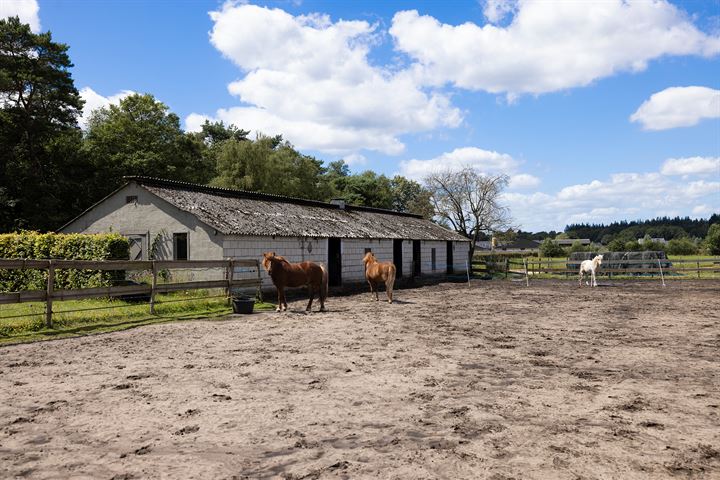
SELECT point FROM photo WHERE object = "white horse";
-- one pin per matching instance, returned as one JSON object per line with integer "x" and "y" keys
{"x": 589, "y": 266}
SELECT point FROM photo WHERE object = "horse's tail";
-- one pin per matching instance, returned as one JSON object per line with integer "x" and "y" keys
{"x": 324, "y": 283}
{"x": 390, "y": 282}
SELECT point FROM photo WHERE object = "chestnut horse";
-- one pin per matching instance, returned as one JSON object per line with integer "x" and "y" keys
{"x": 286, "y": 274}
{"x": 376, "y": 272}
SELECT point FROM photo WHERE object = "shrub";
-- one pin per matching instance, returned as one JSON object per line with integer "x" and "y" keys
{"x": 74, "y": 246}
{"x": 577, "y": 247}
{"x": 681, "y": 246}
{"x": 550, "y": 248}
{"x": 712, "y": 239}
{"x": 617, "y": 245}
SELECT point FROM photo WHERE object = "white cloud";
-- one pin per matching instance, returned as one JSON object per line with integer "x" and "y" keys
{"x": 496, "y": 10}
{"x": 484, "y": 161}
{"x": 355, "y": 159}
{"x": 678, "y": 107}
{"x": 622, "y": 196}
{"x": 94, "y": 100}
{"x": 548, "y": 48}
{"x": 309, "y": 78}
{"x": 702, "y": 210}
{"x": 26, "y": 10}
{"x": 691, "y": 166}
{"x": 523, "y": 181}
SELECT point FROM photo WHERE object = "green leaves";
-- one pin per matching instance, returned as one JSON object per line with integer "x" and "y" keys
{"x": 140, "y": 136}
{"x": 74, "y": 246}
{"x": 39, "y": 138}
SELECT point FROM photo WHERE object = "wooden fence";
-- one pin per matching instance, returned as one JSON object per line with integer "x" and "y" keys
{"x": 530, "y": 267}
{"x": 51, "y": 294}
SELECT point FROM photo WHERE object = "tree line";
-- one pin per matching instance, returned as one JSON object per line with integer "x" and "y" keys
{"x": 661, "y": 227}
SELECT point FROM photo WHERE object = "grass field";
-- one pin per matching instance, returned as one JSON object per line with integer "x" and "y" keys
{"x": 25, "y": 322}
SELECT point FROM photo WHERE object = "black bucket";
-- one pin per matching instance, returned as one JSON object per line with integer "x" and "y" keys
{"x": 243, "y": 304}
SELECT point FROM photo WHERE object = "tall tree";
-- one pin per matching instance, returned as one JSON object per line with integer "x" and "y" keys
{"x": 469, "y": 202}
{"x": 367, "y": 189}
{"x": 140, "y": 136}
{"x": 270, "y": 165}
{"x": 409, "y": 196}
{"x": 39, "y": 137}
{"x": 211, "y": 137}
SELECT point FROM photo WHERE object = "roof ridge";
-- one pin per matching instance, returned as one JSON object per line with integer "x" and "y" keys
{"x": 163, "y": 182}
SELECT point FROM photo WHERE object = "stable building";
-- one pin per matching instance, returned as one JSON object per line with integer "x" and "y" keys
{"x": 184, "y": 221}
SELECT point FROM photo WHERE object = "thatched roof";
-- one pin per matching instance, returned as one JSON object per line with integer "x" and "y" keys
{"x": 236, "y": 212}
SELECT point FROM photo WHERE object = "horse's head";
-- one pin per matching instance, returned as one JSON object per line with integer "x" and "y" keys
{"x": 267, "y": 261}
{"x": 599, "y": 259}
{"x": 369, "y": 258}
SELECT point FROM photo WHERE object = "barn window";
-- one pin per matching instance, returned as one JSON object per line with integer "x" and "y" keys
{"x": 180, "y": 246}
{"x": 368, "y": 250}
{"x": 432, "y": 258}
{"x": 131, "y": 199}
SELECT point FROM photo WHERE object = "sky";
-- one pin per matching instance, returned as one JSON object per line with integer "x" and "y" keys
{"x": 597, "y": 110}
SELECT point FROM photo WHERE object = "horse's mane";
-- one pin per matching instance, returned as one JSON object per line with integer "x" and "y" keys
{"x": 369, "y": 257}
{"x": 266, "y": 260}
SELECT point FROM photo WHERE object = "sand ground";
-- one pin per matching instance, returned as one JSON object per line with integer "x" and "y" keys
{"x": 497, "y": 381}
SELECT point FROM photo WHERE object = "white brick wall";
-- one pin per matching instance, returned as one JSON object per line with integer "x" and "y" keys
{"x": 460, "y": 256}
{"x": 426, "y": 258}
{"x": 353, "y": 251}
{"x": 293, "y": 248}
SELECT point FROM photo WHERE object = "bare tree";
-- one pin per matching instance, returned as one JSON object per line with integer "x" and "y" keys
{"x": 469, "y": 202}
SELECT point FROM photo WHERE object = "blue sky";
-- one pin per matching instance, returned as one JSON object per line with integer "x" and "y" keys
{"x": 597, "y": 110}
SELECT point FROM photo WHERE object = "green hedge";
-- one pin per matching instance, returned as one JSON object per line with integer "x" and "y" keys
{"x": 73, "y": 246}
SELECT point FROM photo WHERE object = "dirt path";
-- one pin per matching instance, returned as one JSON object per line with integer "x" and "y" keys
{"x": 498, "y": 381}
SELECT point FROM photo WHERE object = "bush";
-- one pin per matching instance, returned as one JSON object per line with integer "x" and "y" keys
{"x": 549, "y": 248}
{"x": 616, "y": 245}
{"x": 73, "y": 246}
{"x": 712, "y": 239}
{"x": 577, "y": 247}
{"x": 681, "y": 246}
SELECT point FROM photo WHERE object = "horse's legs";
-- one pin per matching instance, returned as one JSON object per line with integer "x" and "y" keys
{"x": 593, "y": 278}
{"x": 283, "y": 301}
{"x": 311, "y": 293}
{"x": 371, "y": 288}
{"x": 389, "y": 289}
{"x": 581, "y": 275}
{"x": 279, "y": 304}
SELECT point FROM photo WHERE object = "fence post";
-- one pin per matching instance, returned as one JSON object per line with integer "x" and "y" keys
{"x": 507, "y": 267}
{"x": 152, "y": 289}
{"x": 698, "y": 267}
{"x": 661, "y": 272}
{"x": 527, "y": 279}
{"x": 229, "y": 276}
{"x": 258, "y": 295}
{"x": 467, "y": 269}
{"x": 49, "y": 293}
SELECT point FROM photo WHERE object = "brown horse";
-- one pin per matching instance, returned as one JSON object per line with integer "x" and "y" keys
{"x": 286, "y": 274}
{"x": 376, "y": 272}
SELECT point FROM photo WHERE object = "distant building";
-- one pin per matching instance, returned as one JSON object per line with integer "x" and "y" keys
{"x": 483, "y": 245}
{"x": 656, "y": 240}
{"x": 519, "y": 245}
{"x": 568, "y": 242}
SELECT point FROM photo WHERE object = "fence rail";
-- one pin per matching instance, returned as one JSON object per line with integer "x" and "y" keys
{"x": 532, "y": 266}
{"x": 51, "y": 294}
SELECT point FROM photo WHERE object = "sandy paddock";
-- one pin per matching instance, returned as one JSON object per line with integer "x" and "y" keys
{"x": 495, "y": 381}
